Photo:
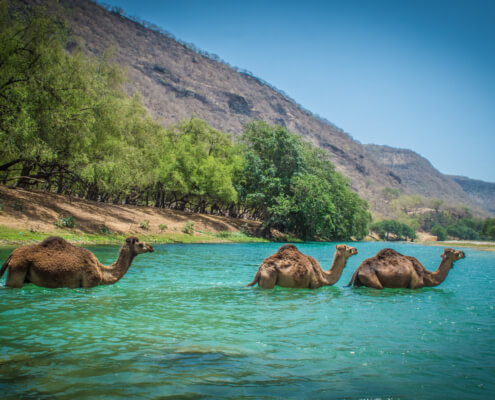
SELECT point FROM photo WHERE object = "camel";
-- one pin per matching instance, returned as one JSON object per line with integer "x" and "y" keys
{"x": 290, "y": 268}
{"x": 55, "y": 263}
{"x": 390, "y": 269}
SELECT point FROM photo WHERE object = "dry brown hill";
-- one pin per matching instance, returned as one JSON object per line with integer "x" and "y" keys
{"x": 481, "y": 193}
{"x": 419, "y": 176}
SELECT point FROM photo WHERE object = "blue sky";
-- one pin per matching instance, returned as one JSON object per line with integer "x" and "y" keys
{"x": 410, "y": 74}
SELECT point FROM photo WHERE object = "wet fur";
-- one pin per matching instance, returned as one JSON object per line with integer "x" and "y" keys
{"x": 55, "y": 263}
{"x": 388, "y": 268}
{"x": 288, "y": 267}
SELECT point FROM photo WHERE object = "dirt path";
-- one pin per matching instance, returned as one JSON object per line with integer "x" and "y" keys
{"x": 38, "y": 211}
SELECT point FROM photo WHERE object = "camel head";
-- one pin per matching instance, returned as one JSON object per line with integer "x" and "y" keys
{"x": 138, "y": 247}
{"x": 346, "y": 251}
{"x": 453, "y": 255}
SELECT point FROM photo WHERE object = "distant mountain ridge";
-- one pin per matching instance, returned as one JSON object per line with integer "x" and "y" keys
{"x": 481, "y": 193}
{"x": 176, "y": 82}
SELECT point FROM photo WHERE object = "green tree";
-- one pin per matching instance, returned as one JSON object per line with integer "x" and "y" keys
{"x": 393, "y": 230}
{"x": 440, "y": 232}
{"x": 293, "y": 187}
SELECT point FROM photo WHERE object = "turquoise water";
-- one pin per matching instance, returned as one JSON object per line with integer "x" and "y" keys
{"x": 180, "y": 324}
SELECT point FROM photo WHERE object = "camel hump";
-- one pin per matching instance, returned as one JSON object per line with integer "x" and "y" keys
{"x": 387, "y": 253}
{"x": 55, "y": 243}
{"x": 288, "y": 247}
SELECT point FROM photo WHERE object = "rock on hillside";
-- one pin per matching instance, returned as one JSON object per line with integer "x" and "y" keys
{"x": 481, "y": 193}
{"x": 420, "y": 177}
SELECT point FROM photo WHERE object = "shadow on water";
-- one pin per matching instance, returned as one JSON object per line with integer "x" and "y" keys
{"x": 388, "y": 292}
{"x": 282, "y": 294}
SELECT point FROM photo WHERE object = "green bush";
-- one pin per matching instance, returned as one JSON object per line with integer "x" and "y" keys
{"x": 104, "y": 230}
{"x": 188, "y": 228}
{"x": 462, "y": 232}
{"x": 162, "y": 227}
{"x": 66, "y": 222}
{"x": 393, "y": 230}
{"x": 18, "y": 205}
{"x": 145, "y": 224}
{"x": 440, "y": 232}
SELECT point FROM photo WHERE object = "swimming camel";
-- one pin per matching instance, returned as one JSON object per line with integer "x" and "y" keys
{"x": 55, "y": 263}
{"x": 290, "y": 268}
{"x": 390, "y": 269}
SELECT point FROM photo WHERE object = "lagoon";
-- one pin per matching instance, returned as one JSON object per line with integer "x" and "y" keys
{"x": 180, "y": 324}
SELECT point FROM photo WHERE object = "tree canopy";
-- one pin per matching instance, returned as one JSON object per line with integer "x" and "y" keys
{"x": 294, "y": 187}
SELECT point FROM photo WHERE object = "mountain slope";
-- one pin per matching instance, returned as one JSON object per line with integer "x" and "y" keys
{"x": 176, "y": 82}
{"x": 481, "y": 193}
{"x": 420, "y": 177}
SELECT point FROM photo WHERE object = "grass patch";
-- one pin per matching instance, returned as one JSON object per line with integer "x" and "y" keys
{"x": 237, "y": 237}
{"x": 11, "y": 236}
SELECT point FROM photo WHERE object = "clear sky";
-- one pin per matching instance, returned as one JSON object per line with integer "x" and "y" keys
{"x": 412, "y": 74}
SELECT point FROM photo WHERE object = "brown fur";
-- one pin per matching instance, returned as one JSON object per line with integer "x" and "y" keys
{"x": 390, "y": 269}
{"x": 288, "y": 267}
{"x": 55, "y": 263}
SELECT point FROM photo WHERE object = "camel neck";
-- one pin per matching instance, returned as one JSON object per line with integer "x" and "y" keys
{"x": 118, "y": 269}
{"x": 437, "y": 277}
{"x": 333, "y": 274}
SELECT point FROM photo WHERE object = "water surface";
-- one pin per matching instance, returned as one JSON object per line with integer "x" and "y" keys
{"x": 180, "y": 324}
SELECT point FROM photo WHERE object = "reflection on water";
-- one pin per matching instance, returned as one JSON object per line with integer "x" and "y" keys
{"x": 180, "y": 324}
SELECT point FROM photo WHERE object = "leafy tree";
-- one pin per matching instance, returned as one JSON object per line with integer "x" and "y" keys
{"x": 386, "y": 228}
{"x": 488, "y": 228}
{"x": 199, "y": 168}
{"x": 294, "y": 187}
{"x": 391, "y": 193}
{"x": 461, "y": 231}
{"x": 440, "y": 232}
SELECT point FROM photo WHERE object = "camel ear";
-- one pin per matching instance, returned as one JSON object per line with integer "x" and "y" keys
{"x": 131, "y": 240}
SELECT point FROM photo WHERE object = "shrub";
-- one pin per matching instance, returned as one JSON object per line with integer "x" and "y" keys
{"x": 224, "y": 234}
{"x": 462, "y": 232}
{"x": 245, "y": 229}
{"x": 66, "y": 222}
{"x": 18, "y": 205}
{"x": 145, "y": 224}
{"x": 399, "y": 230}
{"x": 188, "y": 228}
{"x": 162, "y": 227}
{"x": 440, "y": 232}
{"x": 104, "y": 230}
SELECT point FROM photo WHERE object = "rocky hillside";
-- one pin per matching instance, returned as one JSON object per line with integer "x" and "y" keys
{"x": 177, "y": 81}
{"x": 418, "y": 175}
{"x": 481, "y": 193}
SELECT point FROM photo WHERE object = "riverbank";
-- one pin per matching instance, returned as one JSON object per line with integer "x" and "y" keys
{"x": 28, "y": 216}
{"x": 478, "y": 245}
